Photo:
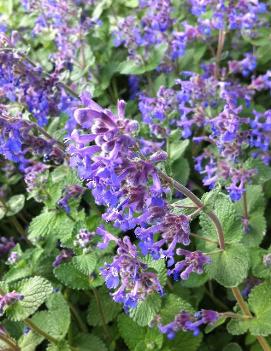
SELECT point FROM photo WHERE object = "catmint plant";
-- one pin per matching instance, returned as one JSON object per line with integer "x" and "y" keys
{"x": 135, "y": 175}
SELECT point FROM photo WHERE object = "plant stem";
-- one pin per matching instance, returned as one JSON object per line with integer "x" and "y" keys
{"x": 245, "y": 205}
{"x": 100, "y": 308}
{"x": 182, "y": 189}
{"x": 216, "y": 300}
{"x": 78, "y": 318}
{"x": 9, "y": 342}
{"x": 220, "y": 46}
{"x": 244, "y": 307}
{"x": 203, "y": 238}
{"x": 39, "y": 331}
{"x": 236, "y": 292}
{"x": 48, "y": 136}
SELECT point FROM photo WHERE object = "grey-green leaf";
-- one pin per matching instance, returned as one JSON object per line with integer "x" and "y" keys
{"x": 35, "y": 291}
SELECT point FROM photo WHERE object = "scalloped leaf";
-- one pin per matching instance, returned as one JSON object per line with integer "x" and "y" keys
{"x": 146, "y": 310}
{"x": 70, "y": 276}
{"x": 35, "y": 291}
{"x": 139, "y": 338}
{"x": 172, "y": 305}
{"x": 226, "y": 213}
{"x": 88, "y": 342}
{"x": 15, "y": 204}
{"x": 229, "y": 267}
{"x": 260, "y": 304}
{"x": 110, "y": 308}
{"x": 85, "y": 263}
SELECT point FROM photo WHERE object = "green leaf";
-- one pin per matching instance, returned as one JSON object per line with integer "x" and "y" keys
{"x": 255, "y": 208}
{"x": 51, "y": 223}
{"x": 70, "y": 276}
{"x": 210, "y": 327}
{"x": 146, "y": 310}
{"x": 62, "y": 346}
{"x": 2, "y": 211}
{"x": 41, "y": 225}
{"x": 181, "y": 170}
{"x": 156, "y": 56}
{"x": 158, "y": 266}
{"x": 184, "y": 341}
{"x": 85, "y": 263}
{"x": 59, "y": 316}
{"x": 263, "y": 171}
{"x": 88, "y": 342}
{"x": 259, "y": 302}
{"x": 35, "y": 291}
{"x": 130, "y": 331}
{"x": 260, "y": 270}
{"x": 110, "y": 309}
{"x": 139, "y": 338}
{"x": 226, "y": 213}
{"x": 30, "y": 341}
{"x": 229, "y": 267}
{"x": 15, "y": 204}
{"x": 232, "y": 347}
{"x": 236, "y": 327}
{"x": 173, "y": 305}
{"x": 177, "y": 149}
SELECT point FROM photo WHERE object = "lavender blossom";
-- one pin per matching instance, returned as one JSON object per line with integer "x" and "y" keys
{"x": 188, "y": 322}
{"x": 129, "y": 276}
{"x": 6, "y": 244}
{"x": 193, "y": 262}
{"x": 8, "y": 299}
{"x": 64, "y": 256}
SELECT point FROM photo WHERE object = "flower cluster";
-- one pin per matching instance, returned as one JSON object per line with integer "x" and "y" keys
{"x": 8, "y": 299}
{"x": 71, "y": 192}
{"x": 18, "y": 140}
{"x": 69, "y": 23}
{"x": 64, "y": 256}
{"x": 6, "y": 244}
{"x": 130, "y": 187}
{"x": 127, "y": 273}
{"x": 83, "y": 238}
{"x": 23, "y": 82}
{"x": 186, "y": 321}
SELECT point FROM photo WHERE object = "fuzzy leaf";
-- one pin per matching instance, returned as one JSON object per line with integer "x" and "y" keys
{"x": 177, "y": 149}
{"x": 110, "y": 309}
{"x": 260, "y": 305}
{"x": 139, "y": 338}
{"x": 85, "y": 263}
{"x": 35, "y": 291}
{"x": 173, "y": 305}
{"x": 131, "y": 67}
{"x": 59, "y": 316}
{"x": 88, "y": 342}
{"x": 159, "y": 266}
{"x": 15, "y": 204}
{"x": 29, "y": 341}
{"x": 230, "y": 267}
{"x": 145, "y": 311}
{"x": 232, "y": 347}
{"x": 130, "y": 331}
{"x": 226, "y": 213}
{"x": 184, "y": 341}
{"x": 41, "y": 225}
{"x": 70, "y": 276}
{"x": 62, "y": 346}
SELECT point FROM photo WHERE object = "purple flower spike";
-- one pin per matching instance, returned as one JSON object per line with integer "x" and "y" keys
{"x": 193, "y": 262}
{"x": 8, "y": 299}
{"x": 64, "y": 256}
{"x": 188, "y": 322}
